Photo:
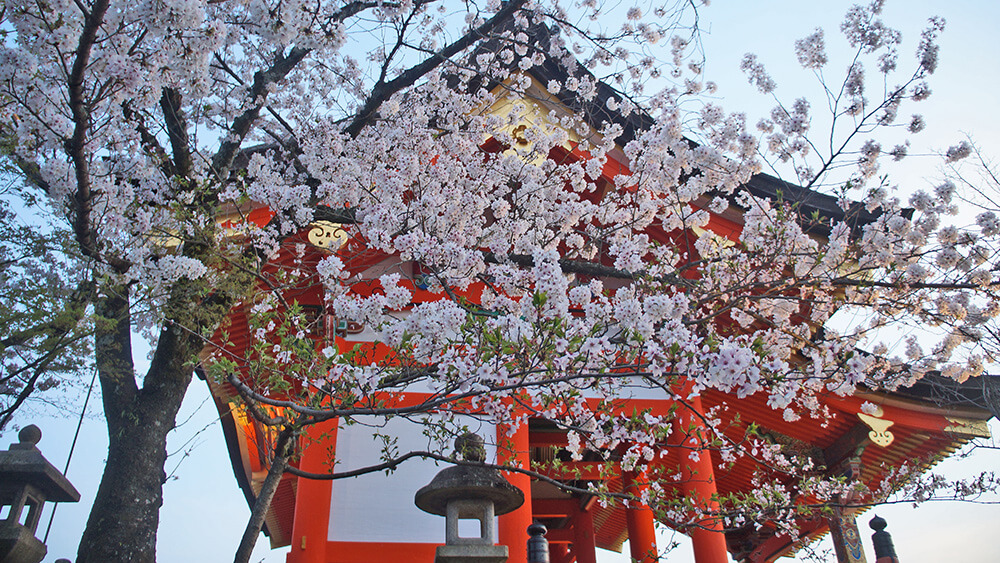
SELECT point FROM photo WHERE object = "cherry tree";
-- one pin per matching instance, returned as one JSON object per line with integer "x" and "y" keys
{"x": 46, "y": 337}
{"x": 189, "y": 145}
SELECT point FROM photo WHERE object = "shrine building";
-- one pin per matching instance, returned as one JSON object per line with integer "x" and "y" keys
{"x": 372, "y": 518}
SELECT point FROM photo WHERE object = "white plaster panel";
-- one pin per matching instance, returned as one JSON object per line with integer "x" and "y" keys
{"x": 377, "y": 507}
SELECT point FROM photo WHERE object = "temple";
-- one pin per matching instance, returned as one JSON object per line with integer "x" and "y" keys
{"x": 373, "y": 518}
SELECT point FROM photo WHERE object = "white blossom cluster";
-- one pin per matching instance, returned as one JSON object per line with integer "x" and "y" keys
{"x": 860, "y": 103}
{"x": 517, "y": 247}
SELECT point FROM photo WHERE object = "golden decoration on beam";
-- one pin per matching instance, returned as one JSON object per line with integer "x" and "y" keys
{"x": 327, "y": 235}
{"x": 879, "y": 427}
{"x": 968, "y": 427}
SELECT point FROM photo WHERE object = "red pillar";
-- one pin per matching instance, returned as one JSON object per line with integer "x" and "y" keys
{"x": 698, "y": 483}
{"x": 639, "y": 519}
{"x": 311, "y": 523}
{"x": 558, "y": 553}
{"x": 845, "y": 537}
{"x": 584, "y": 543}
{"x": 513, "y": 450}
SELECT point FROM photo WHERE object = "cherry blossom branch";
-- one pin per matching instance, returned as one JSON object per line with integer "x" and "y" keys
{"x": 230, "y": 146}
{"x": 224, "y": 66}
{"x": 56, "y": 345}
{"x": 32, "y": 172}
{"x": 76, "y": 145}
{"x": 848, "y": 282}
{"x": 570, "y": 266}
{"x": 382, "y": 91}
{"x": 283, "y": 64}
{"x": 170, "y": 102}
{"x": 438, "y": 400}
{"x": 396, "y": 461}
{"x": 149, "y": 141}
{"x": 81, "y": 298}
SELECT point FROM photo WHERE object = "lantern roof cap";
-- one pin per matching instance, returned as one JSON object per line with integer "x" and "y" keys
{"x": 23, "y": 464}
{"x": 469, "y": 482}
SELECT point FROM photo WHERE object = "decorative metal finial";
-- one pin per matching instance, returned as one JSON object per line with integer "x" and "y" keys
{"x": 471, "y": 447}
{"x": 882, "y": 540}
{"x": 538, "y": 546}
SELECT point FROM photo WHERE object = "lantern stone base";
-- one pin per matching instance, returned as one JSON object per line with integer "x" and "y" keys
{"x": 471, "y": 554}
{"x": 18, "y": 545}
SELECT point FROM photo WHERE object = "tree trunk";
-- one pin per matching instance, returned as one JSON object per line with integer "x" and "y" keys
{"x": 125, "y": 515}
{"x": 282, "y": 450}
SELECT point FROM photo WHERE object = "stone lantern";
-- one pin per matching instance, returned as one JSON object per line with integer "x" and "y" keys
{"x": 27, "y": 480}
{"x": 471, "y": 493}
